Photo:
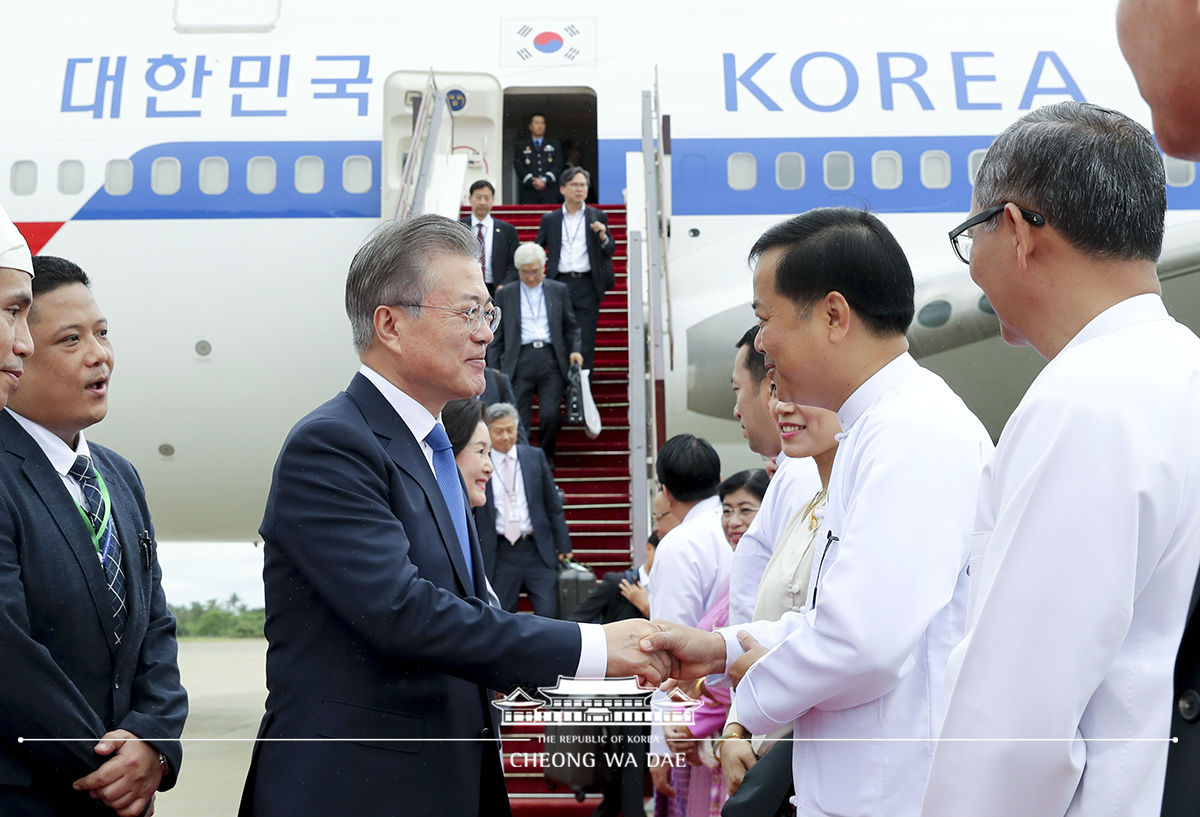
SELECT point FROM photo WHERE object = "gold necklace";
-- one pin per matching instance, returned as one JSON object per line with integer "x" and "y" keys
{"x": 814, "y": 504}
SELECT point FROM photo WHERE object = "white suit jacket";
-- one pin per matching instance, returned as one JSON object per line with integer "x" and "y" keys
{"x": 1087, "y": 543}
{"x": 866, "y": 661}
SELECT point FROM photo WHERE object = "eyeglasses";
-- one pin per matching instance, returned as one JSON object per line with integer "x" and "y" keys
{"x": 960, "y": 239}
{"x": 658, "y": 516}
{"x": 476, "y": 316}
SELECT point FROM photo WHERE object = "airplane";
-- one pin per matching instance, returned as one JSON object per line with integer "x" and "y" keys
{"x": 214, "y": 164}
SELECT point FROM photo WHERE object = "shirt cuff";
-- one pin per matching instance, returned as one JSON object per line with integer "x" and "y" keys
{"x": 593, "y": 652}
{"x": 733, "y": 649}
{"x": 750, "y": 714}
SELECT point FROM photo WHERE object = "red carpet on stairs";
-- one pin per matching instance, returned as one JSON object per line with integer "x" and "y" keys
{"x": 594, "y": 474}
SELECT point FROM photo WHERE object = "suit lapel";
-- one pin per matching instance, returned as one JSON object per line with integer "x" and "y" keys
{"x": 48, "y": 486}
{"x": 408, "y": 456}
{"x": 527, "y": 474}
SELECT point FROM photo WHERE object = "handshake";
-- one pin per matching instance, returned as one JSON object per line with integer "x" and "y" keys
{"x": 657, "y": 650}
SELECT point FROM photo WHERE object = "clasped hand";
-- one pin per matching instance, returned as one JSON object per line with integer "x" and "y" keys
{"x": 657, "y": 650}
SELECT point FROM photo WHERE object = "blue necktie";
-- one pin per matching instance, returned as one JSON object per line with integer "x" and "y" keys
{"x": 445, "y": 470}
{"x": 537, "y": 143}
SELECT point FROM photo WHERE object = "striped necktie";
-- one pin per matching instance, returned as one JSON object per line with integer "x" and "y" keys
{"x": 93, "y": 500}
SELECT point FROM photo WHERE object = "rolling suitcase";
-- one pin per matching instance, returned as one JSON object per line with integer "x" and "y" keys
{"x": 575, "y": 581}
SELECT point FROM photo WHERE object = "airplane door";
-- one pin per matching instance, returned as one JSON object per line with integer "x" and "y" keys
{"x": 472, "y": 129}
{"x": 570, "y": 118}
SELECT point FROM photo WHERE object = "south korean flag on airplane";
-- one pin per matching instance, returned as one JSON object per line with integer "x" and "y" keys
{"x": 547, "y": 42}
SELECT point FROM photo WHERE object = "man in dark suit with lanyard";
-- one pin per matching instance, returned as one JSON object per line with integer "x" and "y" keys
{"x": 522, "y": 530}
{"x": 580, "y": 250}
{"x": 384, "y": 648}
{"x": 497, "y": 239}
{"x": 538, "y": 161}
{"x": 536, "y": 343}
{"x": 89, "y": 645}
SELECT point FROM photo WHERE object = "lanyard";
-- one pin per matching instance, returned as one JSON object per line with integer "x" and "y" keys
{"x": 571, "y": 236}
{"x": 534, "y": 315}
{"x": 105, "y": 524}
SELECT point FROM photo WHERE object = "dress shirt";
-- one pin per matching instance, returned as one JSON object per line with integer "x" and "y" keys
{"x": 593, "y": 658}
{"x": 573, "y": 257}
{"x": 514, "y": 499}
{"x": 690, "y": 572}
{"x": 488, "y": 229}
{"x": 61, "y": 455}
{"x": 794, "y": 484}
{"x": 1087, "y": 543}
{"x": 535, "y": 322}
{"x": 866, "y": 660}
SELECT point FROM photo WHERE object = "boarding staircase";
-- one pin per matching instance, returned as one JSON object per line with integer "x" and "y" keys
{"x": 595, "y": 477}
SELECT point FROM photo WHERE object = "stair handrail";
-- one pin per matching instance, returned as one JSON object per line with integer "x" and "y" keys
{"x": 414, "y": 182}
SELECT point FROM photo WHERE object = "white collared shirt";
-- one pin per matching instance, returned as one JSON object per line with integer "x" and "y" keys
{"x": 509, "y": 498}
{"x": 573, "y": 257}
{"x": 794, "y": 484}
{"x": 61, "y": 456}
{"x": 690, "y": 570}
{"x": 535, "y": 318}
{"x": 1082, "y": 566}
{"x": 488, "y": 229}
{"x": 866, "y": 663}
{"x": 593, "y": 657}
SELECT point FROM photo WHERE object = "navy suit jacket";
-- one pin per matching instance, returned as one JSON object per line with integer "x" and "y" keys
{"x": 545, "y": 511}
{"x": 63, "y": 676}
{"x": 599, "y": 253}
{"x": 505, "y": 349}
{"x": 504, "y": 247}
{"x": 376, "y": 632}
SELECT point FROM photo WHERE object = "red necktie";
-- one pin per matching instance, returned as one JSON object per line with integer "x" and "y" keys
{"x": 482, "y": 249}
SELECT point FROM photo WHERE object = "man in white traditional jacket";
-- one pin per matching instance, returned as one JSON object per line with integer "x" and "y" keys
{"x": 793, "y": 484}
{"x": 858, "y": 672}
{"x": 1088, "y": 523}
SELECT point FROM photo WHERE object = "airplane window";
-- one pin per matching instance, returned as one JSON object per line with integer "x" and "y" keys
{"x": 214, "y": 175}
{"x": 1179, "y": 172}
{"x": 935, "y": 169}
{"x": 165, "y": 176}
{"x": 310, "y": 174}
{"x": 839, "y": 170}
{"x": 356, "y": 174}
{"x": 742, "y": 171}
{"x": 118, "y": 177}
{"x": 789, "y": 171}
{"x": 985, "y": 305}
{"x": 260, "y": 175}
{"x": 23, "y": 177}
{"x": 887, "y": 171}
{"x": 70, "y": 177}
{"x": 934, "y": 314}
{"x": 974, "y": 160}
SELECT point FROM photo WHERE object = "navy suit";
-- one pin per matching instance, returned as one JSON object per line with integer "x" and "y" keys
{"x": 504, "y": 247}
{"x": 1181, "y": 794}
{"x": 587, "y": 289}
{"x": 532, "y": 564}
{"x": 605, "y": 603}
{"x": 376, "y": 632}
{"x": 530, "y": 162}
{"x": 542, "y": 370}
{"x": 63, "y": 676}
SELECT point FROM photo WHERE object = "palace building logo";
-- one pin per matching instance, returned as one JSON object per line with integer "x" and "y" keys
{"x": 592, "y": 701}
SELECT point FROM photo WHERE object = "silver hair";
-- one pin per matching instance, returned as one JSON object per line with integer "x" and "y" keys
{"x": 498, "y": 411}
{"x": 1095, "y": 174}
{"x": 529, "y": 253}
{"x": 392, "y": 268}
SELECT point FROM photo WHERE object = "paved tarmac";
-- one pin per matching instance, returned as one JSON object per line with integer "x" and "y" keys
{"x": 226, "y": 684}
